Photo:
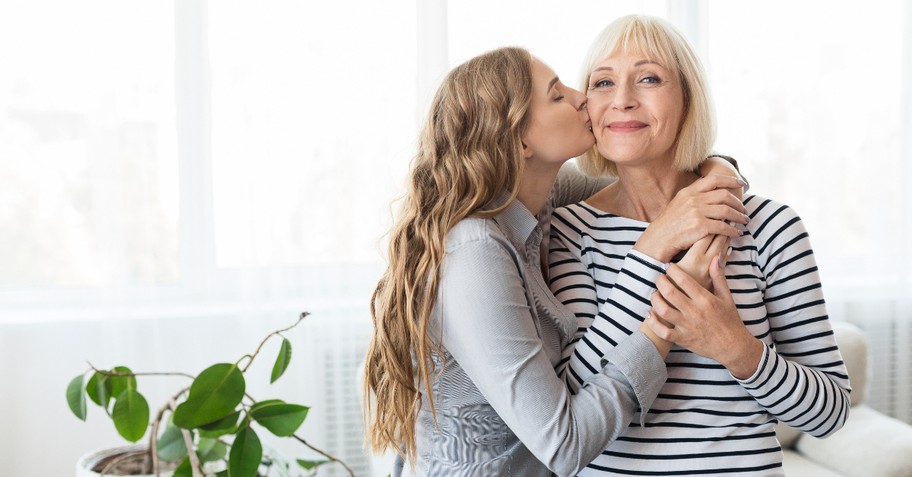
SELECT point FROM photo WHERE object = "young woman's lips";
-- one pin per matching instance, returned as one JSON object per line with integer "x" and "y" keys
{"x": 626, "y": 126}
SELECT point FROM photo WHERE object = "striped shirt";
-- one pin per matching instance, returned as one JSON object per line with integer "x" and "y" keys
{"x": 704, "y": 420}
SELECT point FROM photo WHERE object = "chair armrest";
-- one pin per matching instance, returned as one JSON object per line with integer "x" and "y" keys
{"x": 870, "y": 444}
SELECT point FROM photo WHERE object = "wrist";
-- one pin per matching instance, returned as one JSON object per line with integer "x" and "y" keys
{"x": 745, "y": 358}
{"x": 653, "y": 248}
{"x": 662, "y": 346}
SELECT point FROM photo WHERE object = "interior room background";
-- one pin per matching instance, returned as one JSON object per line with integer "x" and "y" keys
{"x": 178, "y": 179}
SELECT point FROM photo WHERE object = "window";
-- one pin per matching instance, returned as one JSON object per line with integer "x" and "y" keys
{"x": 235, "y": 162}
{"x": 88, "y": 167}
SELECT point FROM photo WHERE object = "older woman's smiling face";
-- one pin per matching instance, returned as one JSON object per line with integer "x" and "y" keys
{"x": 636, "y": 106}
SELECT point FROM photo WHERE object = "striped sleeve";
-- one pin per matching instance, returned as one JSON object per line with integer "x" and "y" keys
{"x": 802, "y": 379}
{"x": 598, "y": 323}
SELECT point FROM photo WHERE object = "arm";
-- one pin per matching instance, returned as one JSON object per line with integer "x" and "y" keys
{"x": 573, "y": 186}
{"x": 805, "y": 357}
{"x": 599, "y": 328}
{"x": 803, "y": 381}
{"x": 489, "y": 329}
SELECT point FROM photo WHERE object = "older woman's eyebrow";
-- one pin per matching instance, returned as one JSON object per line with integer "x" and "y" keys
{"x": 638, "y": 63}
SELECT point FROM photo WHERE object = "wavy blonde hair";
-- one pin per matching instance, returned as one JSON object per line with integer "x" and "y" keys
{"x": 659, "y": 41}
{"x": 469, "y": 154}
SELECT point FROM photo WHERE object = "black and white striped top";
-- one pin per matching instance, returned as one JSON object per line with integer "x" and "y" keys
{"x": 705, "y": 421}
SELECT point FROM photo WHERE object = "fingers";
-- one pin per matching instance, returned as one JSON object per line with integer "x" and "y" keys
{"x": 688, "y": 285}
{"x": 720, "y": 284}
{"x": 702, "y": 246}
{"x": 659, "y": 327}
{"x": 718, "y": 181}
{"x": 720, "y": 227}
{"x": 661, "y": 307}
{"x": 725, "y": 212}
{"x": 719, "y": 246}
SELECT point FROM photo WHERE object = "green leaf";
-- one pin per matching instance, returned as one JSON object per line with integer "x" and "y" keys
{"x": 210, "y": 450}
{"x": 75, "y": 398}
{"x": 131, "y": 415}
{"x": 282, "y": 361}
{"x": 213, "y": 395}
{"x": 171, "y": 445}
{"x": 225, "y": 425}
{"x": 280, "y": 418}
{"x": 119, "y": 384}
{"x": 246, "y": 453}
{"x": 183, "y": 469}
{"x": 99, "y": 390}
{"x": 311, "y": 464}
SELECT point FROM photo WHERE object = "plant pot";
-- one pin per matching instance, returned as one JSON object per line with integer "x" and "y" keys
{"x": 86, "y": 465}
{"x": 91, "y": 465}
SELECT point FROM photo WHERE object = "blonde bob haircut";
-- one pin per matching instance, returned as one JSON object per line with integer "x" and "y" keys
{"x": 656, "y": 40}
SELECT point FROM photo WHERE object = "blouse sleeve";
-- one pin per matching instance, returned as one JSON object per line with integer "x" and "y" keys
{"x": 489, "y": 329}
{"x": 802, "y": 379}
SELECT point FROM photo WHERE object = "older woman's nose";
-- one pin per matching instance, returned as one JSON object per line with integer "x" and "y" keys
{"x": 624, "y": 98}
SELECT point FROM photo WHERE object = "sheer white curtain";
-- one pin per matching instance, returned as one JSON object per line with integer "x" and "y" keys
{"x": 815, "y": 100}
{"x": 178, "y": 179}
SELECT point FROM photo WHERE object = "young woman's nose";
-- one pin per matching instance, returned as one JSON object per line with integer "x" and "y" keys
{"x": 579, "y": 99}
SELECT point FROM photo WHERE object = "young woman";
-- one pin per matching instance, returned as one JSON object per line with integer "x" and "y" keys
{"x": 461, "y": 371}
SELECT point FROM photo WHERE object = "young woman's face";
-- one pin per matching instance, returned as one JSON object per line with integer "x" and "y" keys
{"x": 636, "y": 106}
{"x": 559, "y": 125}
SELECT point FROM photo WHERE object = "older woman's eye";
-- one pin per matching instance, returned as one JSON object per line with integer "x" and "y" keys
{"x": 600, "y": 84}
{"x": 651, "y": 80}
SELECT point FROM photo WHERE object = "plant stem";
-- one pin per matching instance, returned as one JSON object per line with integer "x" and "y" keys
{"x": 111, "y": 373}
{"x": 194, "y": 459}
{"x": 324, "y": 454}
{"x": 152, "y": 448}
{"x": 270, "y": 335}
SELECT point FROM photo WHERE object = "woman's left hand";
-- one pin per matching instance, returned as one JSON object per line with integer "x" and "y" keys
{"x": 705, "y": 323}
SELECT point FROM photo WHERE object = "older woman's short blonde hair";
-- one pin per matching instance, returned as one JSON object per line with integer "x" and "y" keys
{"x": 657, "y": 40}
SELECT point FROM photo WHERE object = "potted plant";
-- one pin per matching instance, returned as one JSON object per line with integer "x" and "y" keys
{"x": 206, "y": 428}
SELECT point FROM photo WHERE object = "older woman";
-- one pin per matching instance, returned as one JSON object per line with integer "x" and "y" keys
{"x": 758, "y": 348}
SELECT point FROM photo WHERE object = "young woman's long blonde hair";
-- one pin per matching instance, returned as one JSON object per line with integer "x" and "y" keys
{"x": 469, "y": 154}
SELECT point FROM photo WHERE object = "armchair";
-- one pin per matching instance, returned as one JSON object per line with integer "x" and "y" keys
{"x": 870, "y": 444}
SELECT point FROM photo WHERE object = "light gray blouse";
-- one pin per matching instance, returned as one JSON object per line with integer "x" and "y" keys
{"x": 502, "y": 405}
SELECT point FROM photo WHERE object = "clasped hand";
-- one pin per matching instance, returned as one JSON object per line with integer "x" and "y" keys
{"x": 706, "y": 323}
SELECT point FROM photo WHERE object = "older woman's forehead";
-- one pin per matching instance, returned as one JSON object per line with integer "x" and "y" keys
{"x": 646, "y": 52}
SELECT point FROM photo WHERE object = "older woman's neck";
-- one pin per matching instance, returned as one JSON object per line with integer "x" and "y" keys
{"x": 646, "y": 192}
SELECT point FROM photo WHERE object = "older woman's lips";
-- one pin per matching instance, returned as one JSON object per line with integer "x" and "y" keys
{"x": 626, "y": 126}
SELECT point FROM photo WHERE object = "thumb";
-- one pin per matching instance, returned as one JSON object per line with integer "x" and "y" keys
{"x": 717, "y": 273}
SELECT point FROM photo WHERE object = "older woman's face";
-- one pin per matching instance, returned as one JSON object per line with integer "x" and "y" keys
{"x": 558, "y": 125}
{"x": 636, "y": 106}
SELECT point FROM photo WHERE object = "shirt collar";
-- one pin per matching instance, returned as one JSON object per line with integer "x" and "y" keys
{"x": 519, "y": 223}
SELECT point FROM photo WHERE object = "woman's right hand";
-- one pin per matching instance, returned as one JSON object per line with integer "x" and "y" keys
{"x": 702, "y": 209}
